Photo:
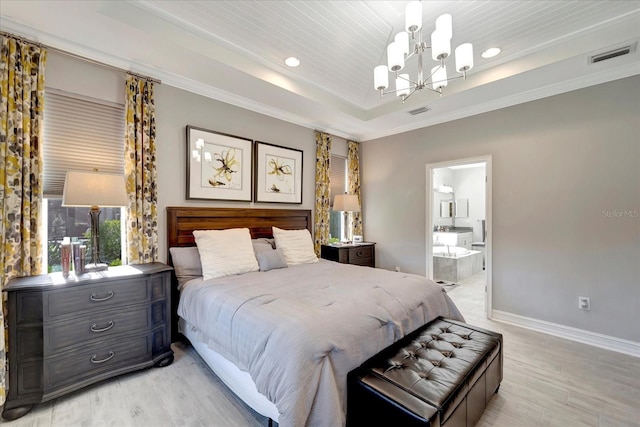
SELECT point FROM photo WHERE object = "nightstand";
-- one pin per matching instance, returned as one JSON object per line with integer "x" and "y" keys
{"x": 67, "y": 333}
{"x": 357, "y": 254}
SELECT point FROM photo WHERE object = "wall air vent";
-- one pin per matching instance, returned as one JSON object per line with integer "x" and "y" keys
{"x": 419, "y": 111}
{"x": 625, "y": 50}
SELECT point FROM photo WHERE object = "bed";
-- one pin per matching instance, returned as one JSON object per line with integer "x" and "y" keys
{"x": 283, "y": 340}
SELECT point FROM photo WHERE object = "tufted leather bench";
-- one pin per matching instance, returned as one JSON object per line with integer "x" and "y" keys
{"x": 442, "y": 374}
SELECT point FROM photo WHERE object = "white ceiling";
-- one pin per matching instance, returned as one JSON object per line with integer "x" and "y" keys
{"x": 233, "y": 51}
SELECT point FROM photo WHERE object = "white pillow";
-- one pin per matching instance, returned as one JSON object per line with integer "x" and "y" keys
{"x": 225, "y": 252}
{"x": 296, "y": 246}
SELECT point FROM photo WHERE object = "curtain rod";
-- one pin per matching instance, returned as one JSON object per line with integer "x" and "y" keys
{"x": 73, "y": 55}
{"x": 332, "y": 135}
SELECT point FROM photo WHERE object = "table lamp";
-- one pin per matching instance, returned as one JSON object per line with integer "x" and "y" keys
{"x": 346, "y": 203}
{"x": 94, "y": 189}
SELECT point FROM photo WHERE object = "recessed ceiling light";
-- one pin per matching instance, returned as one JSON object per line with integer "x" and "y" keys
{"x": 292, "y": 61}
{"x": 491, "y": 52}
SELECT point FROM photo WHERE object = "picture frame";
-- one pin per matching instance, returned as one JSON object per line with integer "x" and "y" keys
{"x": 219, "y": 166}
{"x": 278, "y": 173}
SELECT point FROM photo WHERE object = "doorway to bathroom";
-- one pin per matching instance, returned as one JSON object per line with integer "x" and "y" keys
{"x": 459, "y": 230}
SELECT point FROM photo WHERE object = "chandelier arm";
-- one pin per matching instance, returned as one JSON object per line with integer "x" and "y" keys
{"x": 388, "y": 92}
{"x": 410, "y": 93}
{"x": 438, "y": 91}
{"x": 408, "y": 80}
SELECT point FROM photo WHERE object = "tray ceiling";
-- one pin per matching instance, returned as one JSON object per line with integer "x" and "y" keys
{"x": 233, "y": 51}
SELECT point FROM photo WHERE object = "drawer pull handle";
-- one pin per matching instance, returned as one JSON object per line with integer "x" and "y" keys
{"x": 96, "y": 361}
{"x": 359, "y": 253}
{"x": 108, "y": 297}
{"x": 94, "y": 327}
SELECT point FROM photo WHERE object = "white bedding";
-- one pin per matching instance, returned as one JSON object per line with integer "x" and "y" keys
{"x": 298, "y": 331}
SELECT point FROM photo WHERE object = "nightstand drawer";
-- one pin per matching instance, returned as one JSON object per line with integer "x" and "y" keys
{"x": 90, "y": 298}
{"x": 62, "y": 335}
{"x": 97, "y": 359}
{"x": 358, "y": 253}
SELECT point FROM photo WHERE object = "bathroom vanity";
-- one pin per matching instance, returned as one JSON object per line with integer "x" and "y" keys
{"x": 461, "y": 237}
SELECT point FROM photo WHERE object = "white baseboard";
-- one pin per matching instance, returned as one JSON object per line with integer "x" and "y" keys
{"x": 586, "y": 337}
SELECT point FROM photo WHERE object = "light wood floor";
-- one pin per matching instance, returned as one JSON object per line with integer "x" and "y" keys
{"x": 548, "y": 381}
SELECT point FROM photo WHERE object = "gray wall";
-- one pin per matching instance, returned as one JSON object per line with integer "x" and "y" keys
{"x": 175, "y": 109}
{"x": 566, "y": 199}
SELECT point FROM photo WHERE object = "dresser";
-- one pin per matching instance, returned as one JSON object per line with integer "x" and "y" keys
{"x": 357, "y": 254}
{"x": 67, "y": 333}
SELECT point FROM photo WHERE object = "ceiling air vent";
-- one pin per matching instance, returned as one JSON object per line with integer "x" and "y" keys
{"x": 625, "y": 50}
{"x": 419, "y": 111}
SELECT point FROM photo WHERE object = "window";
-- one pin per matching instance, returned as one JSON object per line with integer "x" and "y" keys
{"x": 80, "y": 134}
{"x": 74, "y": 222}
{"x": 338, "y": 176}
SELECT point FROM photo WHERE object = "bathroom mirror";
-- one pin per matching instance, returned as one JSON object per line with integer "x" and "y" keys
{"x": 446, "y": 209}
{"x": 462, "y": 208}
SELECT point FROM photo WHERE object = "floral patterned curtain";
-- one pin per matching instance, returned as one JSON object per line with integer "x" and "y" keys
{"x": 140, "y": 172}
{"x": 21, "y": 110}
{"x": 321, "y": 220}
{"x": 353, "y": 178}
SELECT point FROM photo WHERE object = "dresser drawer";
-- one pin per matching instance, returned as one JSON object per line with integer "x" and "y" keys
{"x": 358, "y": 254}
{"x": 89, "y": 298}
{"x": 95, "y": 360}
{"x": 102, "y": 325}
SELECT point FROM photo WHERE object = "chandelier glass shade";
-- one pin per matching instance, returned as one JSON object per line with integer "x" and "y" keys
{"x": 408, "y": 44}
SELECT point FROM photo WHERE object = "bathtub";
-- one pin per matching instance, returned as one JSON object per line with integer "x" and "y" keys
{"x": 453, "y": 250}
{"x": 462, "y": 263}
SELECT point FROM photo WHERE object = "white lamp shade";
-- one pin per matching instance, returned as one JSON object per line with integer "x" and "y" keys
{"x": 444, "y": 25}
{"x": 395, "y": 57}
{"x": 94, "y": 189}
{"x": 380, "y": 77}
{"x": 439, "y": 77}
{"x": 402, "y": 85}
{"x": 440, "y": 46}
{"x": 464, "y": 57}
{"x": 346, "y": 203}
{"x": 402, "y": 38}
{"x": 413, "y": 16}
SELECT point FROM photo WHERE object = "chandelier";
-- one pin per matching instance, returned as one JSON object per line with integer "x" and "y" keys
{"x": 399, "y": 51}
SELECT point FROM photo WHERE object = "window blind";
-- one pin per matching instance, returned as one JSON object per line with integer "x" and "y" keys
{"x": 338, "y": 176}
{"x": 80, "y": 134}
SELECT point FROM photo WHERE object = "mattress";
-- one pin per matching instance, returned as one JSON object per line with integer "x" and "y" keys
{"x": 239, "y": 382}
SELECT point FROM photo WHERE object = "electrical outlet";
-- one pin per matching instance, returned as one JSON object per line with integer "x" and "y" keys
{"x": 584, "y": 303}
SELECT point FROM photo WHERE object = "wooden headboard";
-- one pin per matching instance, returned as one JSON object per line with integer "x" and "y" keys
{"x": 181, "y": 221}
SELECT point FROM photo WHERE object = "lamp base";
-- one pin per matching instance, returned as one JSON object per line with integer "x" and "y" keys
{"x": 95, "y": 267}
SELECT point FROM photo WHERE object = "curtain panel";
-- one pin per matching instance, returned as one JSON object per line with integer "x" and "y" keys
{"x": 140, "y": 169}
{"x": 353, "y": 166}
{"x": 22, "y": 105}
{"x": 321, "y": 218}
